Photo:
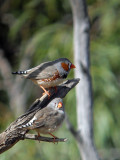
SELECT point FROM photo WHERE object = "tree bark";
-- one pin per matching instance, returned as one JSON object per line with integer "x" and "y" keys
{"x": 13, "y": 134}
{"x": 84, "y": 89}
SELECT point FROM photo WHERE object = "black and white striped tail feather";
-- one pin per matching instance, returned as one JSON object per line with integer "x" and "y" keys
{"x": 20, "y": 72}
{"x": 30, "y": 123}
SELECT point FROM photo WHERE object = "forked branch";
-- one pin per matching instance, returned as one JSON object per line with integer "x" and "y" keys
{"x": 12, "y": 134}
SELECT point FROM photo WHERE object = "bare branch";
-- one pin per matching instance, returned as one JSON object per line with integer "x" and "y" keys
{"x": 13, "y": 133}
{"x": 45, "y": 139}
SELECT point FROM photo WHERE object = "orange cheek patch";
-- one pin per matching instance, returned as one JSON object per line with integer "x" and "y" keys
{"x": 59, "y": 105}
{"x": 65, "y": 66}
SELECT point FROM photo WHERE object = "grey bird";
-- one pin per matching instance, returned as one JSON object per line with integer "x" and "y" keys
{"x": 48, "y": 119}
{"x": 48, "y": 74}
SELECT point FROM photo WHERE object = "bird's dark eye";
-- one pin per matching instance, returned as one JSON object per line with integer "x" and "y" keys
{"x": 64, "y": 76}
{"x": 55, "y": 105}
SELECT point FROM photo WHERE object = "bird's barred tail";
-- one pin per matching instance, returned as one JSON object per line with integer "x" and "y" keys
{"x": 20, "y": 72}
{"x": 30, "y": 123}
{"x": 25, "y": 125}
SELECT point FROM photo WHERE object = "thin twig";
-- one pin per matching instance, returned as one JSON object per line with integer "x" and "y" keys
{"x": 45, "y": 139}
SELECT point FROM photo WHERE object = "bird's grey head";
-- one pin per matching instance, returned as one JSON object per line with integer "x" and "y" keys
{"x": 64, "y": 65}
{"x": 56, "y": 103}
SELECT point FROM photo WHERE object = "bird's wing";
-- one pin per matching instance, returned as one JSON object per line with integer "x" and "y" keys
{"x": 43, "y": 71}
{"x": 43, "y": 117}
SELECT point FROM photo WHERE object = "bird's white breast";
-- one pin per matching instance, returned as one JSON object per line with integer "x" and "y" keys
{"x": 49, "y": 84}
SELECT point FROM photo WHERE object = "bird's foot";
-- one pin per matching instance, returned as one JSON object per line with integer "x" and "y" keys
{"x": 53, "y": 137}
{"x": 45, "y": 91}
{"x": 48, "y": 93}
{"x": 38, "y": 137}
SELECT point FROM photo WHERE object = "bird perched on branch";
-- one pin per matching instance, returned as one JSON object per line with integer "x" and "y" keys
{"x": 48, "y": 119}
{"x": 48, "y": 74}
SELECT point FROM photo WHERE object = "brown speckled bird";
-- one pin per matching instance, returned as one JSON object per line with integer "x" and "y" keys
{"x": 48, "y": 74}
{"x": 48, "y": 119}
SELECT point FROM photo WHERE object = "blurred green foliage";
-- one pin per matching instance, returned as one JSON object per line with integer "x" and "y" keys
{"x": 43, "y": 31}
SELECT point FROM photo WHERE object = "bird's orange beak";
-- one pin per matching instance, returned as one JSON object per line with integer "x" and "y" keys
{"x": 60, "y": 105}
{"x": 72, "y": 66}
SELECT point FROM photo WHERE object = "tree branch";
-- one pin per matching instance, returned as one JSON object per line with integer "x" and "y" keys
{"x": 45, "y": 139}
{"x": 13, "y": 134}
